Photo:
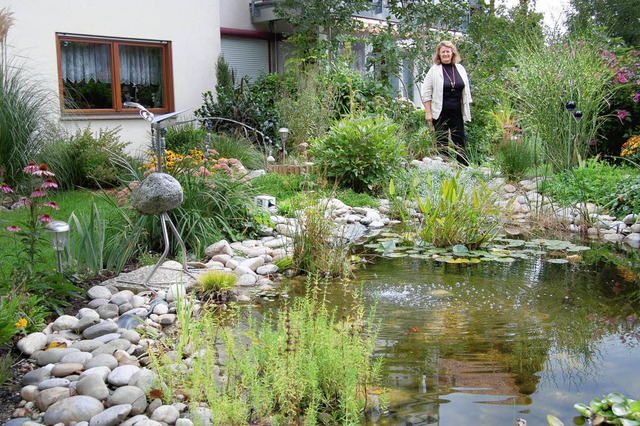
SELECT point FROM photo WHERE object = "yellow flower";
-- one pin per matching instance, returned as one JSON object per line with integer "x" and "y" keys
{"x": 22, "y": 323}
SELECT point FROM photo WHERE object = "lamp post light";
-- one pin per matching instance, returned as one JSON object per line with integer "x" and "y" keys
{"x": 59, "y": 231}
{"x": 284, "y": 135}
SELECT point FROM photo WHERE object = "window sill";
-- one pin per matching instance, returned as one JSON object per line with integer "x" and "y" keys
{"x": 72, "y": 116}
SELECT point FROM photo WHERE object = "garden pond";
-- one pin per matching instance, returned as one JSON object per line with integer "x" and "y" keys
{"x": 520, "y": 331}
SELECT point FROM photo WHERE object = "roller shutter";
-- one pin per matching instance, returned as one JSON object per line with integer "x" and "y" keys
{"x": 247, "y": 56}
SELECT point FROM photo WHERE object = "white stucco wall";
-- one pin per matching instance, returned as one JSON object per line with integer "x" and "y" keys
{"x": 235, "y": 14}
{"x": 192, "y": 26}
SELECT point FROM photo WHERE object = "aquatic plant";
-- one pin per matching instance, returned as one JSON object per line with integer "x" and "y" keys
{"x": 458, "y": 213}
{"x": 612, "y": 409}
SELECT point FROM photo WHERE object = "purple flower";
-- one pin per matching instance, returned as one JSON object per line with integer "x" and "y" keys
{"x": 5, "y": 188}
{"x": 45, "y": 218}
{"x": 43, "y": 170}
{"x": 636, "y": 97}
{"x": 52, "y": 204}
{"x": 49, "y": 183}
{"x": 622, "y": 114}
{"x": 38, "y": 193}
{"x": 31, "y": 167}
{"x": 13, "y": 228}
{"x": 622, "y": 78}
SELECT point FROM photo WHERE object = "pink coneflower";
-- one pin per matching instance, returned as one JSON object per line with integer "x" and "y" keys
{"x": 52, "y": 204}
{"x": 5, "y": 188}
{"x": 22, "y": 202}
{"x": 636, "y": 97}
{"x": 38, "y": 193}
{"x": 31, "y": 168}
{"x": 49, "y": 183}
{"x": 13, "y": 228}
{"x": 43, "y": 170}
{"x": 622, "y": 114}
{"x": 45, "y": 218}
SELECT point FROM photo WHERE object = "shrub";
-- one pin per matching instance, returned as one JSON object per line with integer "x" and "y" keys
{"x": 84, "y": 160}
{"x": 360, "y": 153}
{"x": 185, "y": 137}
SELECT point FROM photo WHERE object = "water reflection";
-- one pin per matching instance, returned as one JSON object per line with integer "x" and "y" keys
{"x": 485, "y": 344}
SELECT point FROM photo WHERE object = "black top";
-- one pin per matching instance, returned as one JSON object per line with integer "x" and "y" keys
{"x": 453, "y": 85}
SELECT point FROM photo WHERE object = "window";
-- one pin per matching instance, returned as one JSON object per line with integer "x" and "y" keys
{"x": 100, "y": 74}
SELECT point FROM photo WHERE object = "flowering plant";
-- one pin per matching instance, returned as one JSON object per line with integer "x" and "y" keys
{"x": 31, "y": 230}
{"x": 631, "y": 148}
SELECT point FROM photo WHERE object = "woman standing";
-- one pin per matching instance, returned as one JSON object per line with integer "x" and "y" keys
{"x": 446, "y": 96}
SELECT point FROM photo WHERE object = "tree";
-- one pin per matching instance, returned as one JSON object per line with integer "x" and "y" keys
{"x": 618, "y": 18}
{"x": 320, "y": 22}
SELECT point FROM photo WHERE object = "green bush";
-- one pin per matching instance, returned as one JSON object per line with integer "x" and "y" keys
{"x": 593, "y": 181}
{"x": 85, "y": 160}
{"x": 360, "y": 153}
{"x": 184, "y": 137}
{"x": 239, "y": 148}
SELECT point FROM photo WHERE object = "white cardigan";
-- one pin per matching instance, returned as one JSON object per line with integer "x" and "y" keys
{"x": 432, "y": 90}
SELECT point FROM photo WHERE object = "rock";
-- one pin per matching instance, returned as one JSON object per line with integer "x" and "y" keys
{"x": 175, "y": 292}
{"x": 129, "y": 395}
{"x": 112, "y": 416}
{"x": 53, "y": 383}
{"x": 246, "y": 280}
{"x": 48, "y": 397}
{"x": 101, "y": 372}
{"x": 130, "y": 321}
{"x": 158, "y": 193}
{"x": 32, "y": 343}
{"x": 99, "y": 360}
{"x": 94, "y": 386}
{"x": 121, "y": 297}
{"x": 34, "y": 377}
{"x": 105, "y": 327}
{"x": 86, "y": 322}
{"x": 121, "y": 375}
{"x": 66, "y": 369}
{"x": 131, "y": 421}
{"x": 167, "y": 319}
{"x": 108, "y": 311}
{"x": 99, "y": 292}
{"x": 64, "y": 322}
{"x": 52, "y": 356}
{"x": 143, "y": 379}
{"x": 165, "y": 414}
{"x": 87, "y": 345}
{"x": 267, "y": 269}
{"x": 221, "y": 247}
{"x": 29, "y": 392}
{"x": 20, "y": 421}
{"x": 74, "y": 409}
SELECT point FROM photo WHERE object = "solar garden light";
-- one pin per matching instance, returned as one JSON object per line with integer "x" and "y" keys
{"x": 59, "y": 232}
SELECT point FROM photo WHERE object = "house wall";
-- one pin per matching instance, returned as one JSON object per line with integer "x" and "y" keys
{"x": 236, "y": 14}
{"x": 192, "y": 26}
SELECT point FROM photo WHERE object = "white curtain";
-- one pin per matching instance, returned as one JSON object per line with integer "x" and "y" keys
{"x": 85, "y": 61}
{"x": 140, "y": 65}
{"x": 92, "y": 61}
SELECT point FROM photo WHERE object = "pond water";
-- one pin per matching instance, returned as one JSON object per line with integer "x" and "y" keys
{"x": 488, "y": 343}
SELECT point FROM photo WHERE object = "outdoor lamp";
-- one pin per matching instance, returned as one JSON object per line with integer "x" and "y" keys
{"x": 59, "y": 231}
{"x": 284, "y": 134}
{"x": 571, "y": 105}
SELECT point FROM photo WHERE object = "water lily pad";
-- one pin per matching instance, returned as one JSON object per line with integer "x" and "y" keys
{"x": 439, "y": 292}
{"x": 559, "y": 261}
{"x": 579, "y": 248}
{"x": 459, "y": 248}
{"x": 396, "y": 255}
{"x": 443, "y": 258}
{"x": 458, "y": 260}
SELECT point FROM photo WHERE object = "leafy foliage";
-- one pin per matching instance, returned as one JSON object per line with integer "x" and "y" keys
{"x": 84, "y": 160}
{"x": 614, "y": 409}
{"x": 458, "y": 212}
{"x": 360, "y": 153}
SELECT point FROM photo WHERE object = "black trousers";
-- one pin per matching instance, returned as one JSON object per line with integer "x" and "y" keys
{"x": 451, "y": 121}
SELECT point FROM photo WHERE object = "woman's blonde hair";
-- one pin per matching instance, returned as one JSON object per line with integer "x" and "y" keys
{"x": 455, "y": 57}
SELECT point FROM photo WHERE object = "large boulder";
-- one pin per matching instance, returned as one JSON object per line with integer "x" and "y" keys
{"x": 158, "y": 193}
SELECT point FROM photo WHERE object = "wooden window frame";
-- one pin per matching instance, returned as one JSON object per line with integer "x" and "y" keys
{"x": 114, "y": 43}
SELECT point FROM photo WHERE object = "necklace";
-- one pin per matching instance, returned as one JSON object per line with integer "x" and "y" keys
{"x": 451, "y": 80}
